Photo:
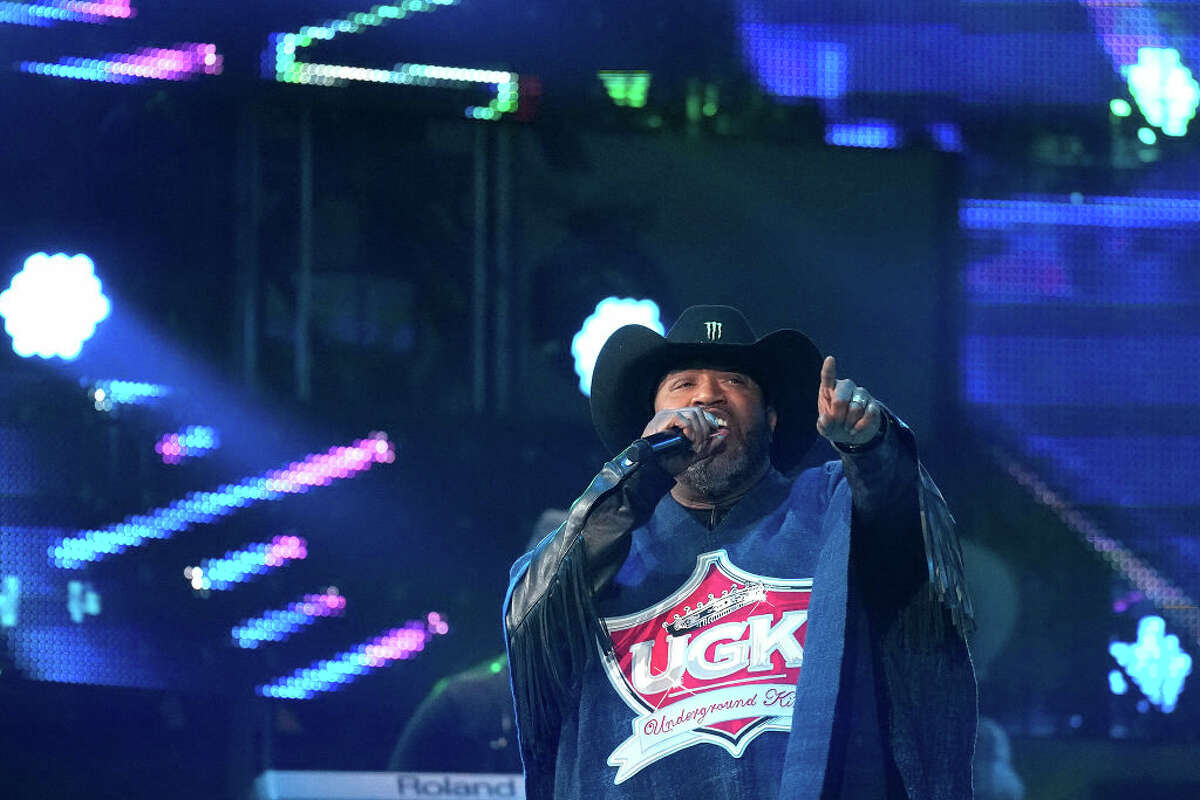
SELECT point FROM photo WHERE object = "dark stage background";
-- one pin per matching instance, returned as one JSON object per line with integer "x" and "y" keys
{"x": 946, "y": 195}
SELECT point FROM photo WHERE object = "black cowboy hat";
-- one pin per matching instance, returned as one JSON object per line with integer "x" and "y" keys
{"x": 786, "y": 364}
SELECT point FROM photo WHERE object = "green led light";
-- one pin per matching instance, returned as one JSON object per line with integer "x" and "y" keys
{"x": 1120, "y": 108}
{"x": 1147, "y": 136}
{"x": 289, "y": 70}
{"x": 1164, "y": 89}
{"x": 626, "y": 88}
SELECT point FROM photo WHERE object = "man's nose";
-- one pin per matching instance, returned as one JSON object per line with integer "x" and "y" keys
{"x": 708, "y": 391}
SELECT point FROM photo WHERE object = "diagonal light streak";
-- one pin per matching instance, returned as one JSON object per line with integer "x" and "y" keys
{"x": 329, "y": 675}
{"x": 48, "y": 13}
{"x": 279, "y": 624}
{"x": 318, "y": 469}
{"x": 281, "y": 62}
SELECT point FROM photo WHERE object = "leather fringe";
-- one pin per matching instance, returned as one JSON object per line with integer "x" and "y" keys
{"x": 947, "y": 577}
{"x": 550, "y": 650}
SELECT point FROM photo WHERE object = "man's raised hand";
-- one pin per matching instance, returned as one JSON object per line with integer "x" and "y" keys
{"x": 846, "y": 412}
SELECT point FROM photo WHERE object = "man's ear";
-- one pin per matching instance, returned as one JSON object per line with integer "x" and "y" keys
{"x": 772, "y": 418}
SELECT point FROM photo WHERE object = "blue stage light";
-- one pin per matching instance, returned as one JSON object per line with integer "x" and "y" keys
{"x": 867, "y": 134}
{"x": 1095, "y": 211}
{"x": 790, "y": 64}
{"x": 611, "y": 313}
{"x": 53, "y": 306}
{"x": 107, "y": 395}
{"x": 10, "y": 600}
{"x": 946, "y": 137}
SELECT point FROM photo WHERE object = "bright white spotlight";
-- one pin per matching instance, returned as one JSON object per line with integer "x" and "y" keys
{"x": 1164, "y": 89}
{"x": 53, "y": 305}
{"x": 611, "y": 313}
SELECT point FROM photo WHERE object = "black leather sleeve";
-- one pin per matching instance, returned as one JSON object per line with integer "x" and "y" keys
{"x": 882, "y": 475}
{"x": 889, "y": 487}
{"x": 550, "y": 619}
{"x": 620, "y": 498}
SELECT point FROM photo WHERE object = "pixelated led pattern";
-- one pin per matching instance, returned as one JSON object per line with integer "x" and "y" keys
{"x": 332, "y": 674}
{"x": 611, "y": 313}
{"x": 10, "y": 600}
{"x": 789, "y": 63}
{"x": 626, "y": 87}
{"x": 1124, "y": 28}
{"x": 107, "y": 395}
{"x": 319, "y": 469}
{"x": 1164, "y": 89}
{"x": 1115, "y": 368}
{"x": 1073, "y": 306}
{"x": 282, "y": 63}
{"x": 191, "y": 442}
{"x": 49, "y": 13}
{"x": 82, "y": 601}
{"x": 183, "y": 62}
{"x": 1161, "y": 85}
{"x": 1155, "y": 586}
{"x": 1155, "y": 662}
{"x": 53, "y": 306}
{"x": 279, "y": 624}
{"x": 240, "y": 566}
{"x": 864, "y": 134}
{"x": 1092, "y": 211}
{"x": 946, "y": 136}
{"x": 59, "y": 633}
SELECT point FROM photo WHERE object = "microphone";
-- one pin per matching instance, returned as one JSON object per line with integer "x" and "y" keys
{"x": 670, "y": 441}
{"x": 673, "y": 441}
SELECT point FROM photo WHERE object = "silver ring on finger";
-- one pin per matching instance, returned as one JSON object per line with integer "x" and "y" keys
{"x": 860, "y": 398}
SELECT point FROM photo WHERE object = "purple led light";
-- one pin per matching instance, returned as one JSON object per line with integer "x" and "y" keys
{"x": 192, "y": 441}
{"x": 329, "y": 675}
{"x": 1126, "y": 601}
{"x": 48, "y": 13}
{"x": 1123, "y": 28}
{"x": 242, "y": 565}
{"x": 278, "y": 625}
{"x": 112, "y": 9}
{"x": 186, "y": 61}
{"x": 202, "y": 507}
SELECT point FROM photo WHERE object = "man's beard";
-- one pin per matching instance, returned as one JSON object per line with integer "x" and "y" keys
{"x": 715, "y": 478}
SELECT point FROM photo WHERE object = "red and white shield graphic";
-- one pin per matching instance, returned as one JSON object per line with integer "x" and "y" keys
{"x": 716, "y": 662}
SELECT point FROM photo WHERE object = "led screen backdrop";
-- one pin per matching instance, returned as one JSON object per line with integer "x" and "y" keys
{"x": 1082, "y": 353}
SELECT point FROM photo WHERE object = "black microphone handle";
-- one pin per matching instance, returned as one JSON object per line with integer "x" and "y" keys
{"x": 667, "y": 442}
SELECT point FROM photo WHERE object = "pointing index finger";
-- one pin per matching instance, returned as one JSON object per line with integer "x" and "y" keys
{"x": 829, "y": 374}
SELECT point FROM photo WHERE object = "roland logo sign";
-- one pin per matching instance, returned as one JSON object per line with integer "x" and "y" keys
{"x": 413, "y": 784}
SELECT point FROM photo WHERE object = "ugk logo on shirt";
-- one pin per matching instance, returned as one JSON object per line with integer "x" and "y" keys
{"x": 716, "y": 661}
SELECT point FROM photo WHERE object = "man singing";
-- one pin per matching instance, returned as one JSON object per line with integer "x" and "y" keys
{"x": 709, "y": 624}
